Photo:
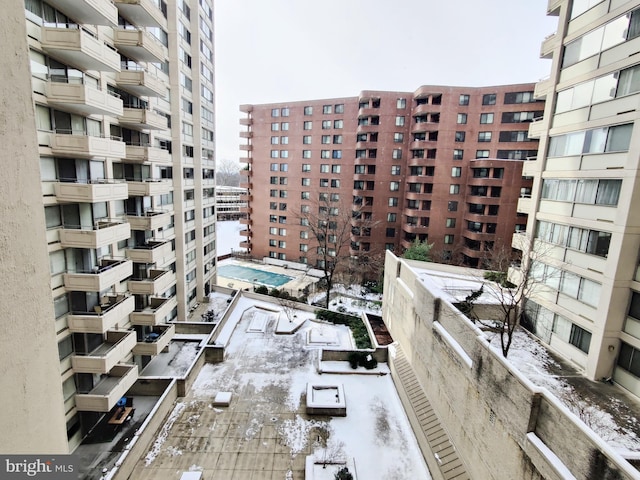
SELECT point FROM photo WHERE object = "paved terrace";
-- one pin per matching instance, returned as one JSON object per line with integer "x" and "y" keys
{"x": 265, "y": 433}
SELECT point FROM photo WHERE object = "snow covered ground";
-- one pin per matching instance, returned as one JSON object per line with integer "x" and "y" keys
{"x": 610, "y": 418}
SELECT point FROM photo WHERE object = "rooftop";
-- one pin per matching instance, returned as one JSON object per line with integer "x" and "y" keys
{"x": 265, "y": 431}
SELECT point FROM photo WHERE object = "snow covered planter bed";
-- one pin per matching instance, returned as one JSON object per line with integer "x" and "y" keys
{"x": 326, "y": 400}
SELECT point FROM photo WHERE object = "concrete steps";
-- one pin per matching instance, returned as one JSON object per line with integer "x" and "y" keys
{"x": 449, "y": 464}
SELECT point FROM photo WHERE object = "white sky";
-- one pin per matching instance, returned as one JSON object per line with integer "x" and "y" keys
{"x": 286, "y": 50}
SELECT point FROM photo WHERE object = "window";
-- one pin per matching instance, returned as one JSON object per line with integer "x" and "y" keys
{"x": 588, "y": 191}
{"x": 336, "y": 154}
{"x": 518, "y": 97}
{"x": 450, "y": 223}
{"x": 273, "y": 167}
{"x": 580, "y": 338}
{"x": 306, "y": 140}
{"x": 306, "y": 167}
{"x": 275, "y": 140}
{"x": 484, "y": 136}
{"x": 401, "y": 103}
{"x": 482, "y": 153}
{"x": 519, "y": 117}
{"x": 274, "y": 153}
{"x": 448, "y": 239}
{"x": 391, "y": 217}
{"x": 337, "y": 139}
{"x": 306, "y": 182}
{"x": 629, "y": 359}
{"x": 339, "y": 108}
{"x": 284, "y": 140}
{"x": 338, "y": 124}
{"x": 399, "y": 121}
{"x": 456, "y": 171}
{"x": 275, "y": 127}
{"x": 598, "y": 140}
{"x": 462, "y": 118}
{"x": 463, "y": 99}
{"x": 489, "y": 99}
{"x": 335, "y": 183}
{"x": 284, "y": 126}
{"x": 395, "y": 169}
{"x": 394, "y": 186}
{"x": 326, "y": 124}
{"x": 275, "y": 112}
{"x": 452, "y": 206}
{"x": 459, "y": 137}
{"x": 325, "y": 139}
{"x": 335, "y": 168}
{"x": 458, "y": 154}
{"x": 391, "y": 232}
{"x": 307, "y": 125}
{"x": 486, "y": 118}
{"x": 308, "y": 110}
{"x": 393, "y": 201}
{"x": 454, "y": 189}
{"x": 514, "y": 136}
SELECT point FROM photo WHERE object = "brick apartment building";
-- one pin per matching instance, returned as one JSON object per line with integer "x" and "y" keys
{"x": 441, "y": 164}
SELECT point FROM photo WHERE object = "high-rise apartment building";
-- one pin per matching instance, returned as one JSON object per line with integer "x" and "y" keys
{"x": 123, "y": 98}
{"x": 441, "y": 164}
{"x": 583, "y": 212}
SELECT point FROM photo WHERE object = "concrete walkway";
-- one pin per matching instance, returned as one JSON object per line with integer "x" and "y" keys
{"x": 440, "y": 453}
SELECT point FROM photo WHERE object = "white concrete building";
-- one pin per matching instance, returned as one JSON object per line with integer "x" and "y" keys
{"x": 581, "y": 211}
{"x": 123, "y": 138}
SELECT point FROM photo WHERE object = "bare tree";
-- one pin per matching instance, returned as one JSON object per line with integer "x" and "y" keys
{"x": 228, "y": 173}
{"x": 330, "y": 225}
{"x": 289, "y": 307}
{"x": 515, "y": 278}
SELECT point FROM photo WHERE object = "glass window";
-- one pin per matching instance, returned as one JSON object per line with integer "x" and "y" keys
{"x": 308, "y": 110}
{"x": 463, "y": 99}
{"x": 399, "y": 121}
{"x": 459, "y": 136}
{"x": 484, "y": 136}
{"x": 462, "y": 118}
{"x": 489, "y": 99}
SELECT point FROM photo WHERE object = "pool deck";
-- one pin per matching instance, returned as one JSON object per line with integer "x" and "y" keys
{"x": 300, "y": 279}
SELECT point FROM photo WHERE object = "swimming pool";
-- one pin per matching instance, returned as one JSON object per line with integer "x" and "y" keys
{"x": 252, "y": 275}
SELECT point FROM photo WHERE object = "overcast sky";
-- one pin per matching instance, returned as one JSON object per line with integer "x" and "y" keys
{"x": 286, "y": 50}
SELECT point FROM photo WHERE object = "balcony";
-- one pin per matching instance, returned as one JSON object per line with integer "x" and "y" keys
{"x": 246, "y": 134}
{"x": 519, "y": 241}
{"x": 536, "y": 128}
{"x": 549, "y": 44}
{"x": 89, "y": 12}
{"x": 156, "y": 341}
{"x": 525, "y": 205}
{"x": 109, "y": 272}
{"x": 103, "y": 233}
{"x": 144, "y": 13}
{"x": 90, "y": 192}
{"x": 155, "y": 313}
{"x": 542, "y": 89}
{"x": 152, "y": 252}
{"x": 142, "y": 118}
{"x": 149, "y": 220}
{"x": 113, "y": 310}
{"x": 149, "y": 187}
{"x": 157, "y": 282}
{"x": 104, "y": 396}
{"x": 247, "y": 147}
{"x": 85, "y": 146}
{"x": 117, "y": 345}
{"x": 140, "y": 82}
{"x": 139, "y": 45}
{"x": 246, "y": 121}
{"x": 79, "y": 48}
{"x": 147, "y": 153}
{"x": 82, "y": 99}
{"x": 553, "y": 7}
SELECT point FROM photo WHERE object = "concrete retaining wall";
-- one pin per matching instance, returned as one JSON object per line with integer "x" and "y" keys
{"x": 502, "y": 425}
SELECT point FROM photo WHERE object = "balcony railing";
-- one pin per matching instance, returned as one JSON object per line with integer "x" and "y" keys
{"x": 80, "y": 48}
{"x": 102, "y": 233}
{"x": 83, "y": 99}
{"x": 143, "y": 153}
{"x": 117, "y": 345}
{"x": 112, "y": 310}
{"x": 149, "y": 187}
{"x": 154, "y": 314}
{"x": 104, "y": 396}
{"x": 88, "y": 12}
{"x": 143, "y": 13}
{"x": 106, "y": 274}
{"x": 139, "y": 45}
{"x": 90, "y": 191}
{"x": 149, "y": 220}
{"x": 140, "y": 82}
{"x": 157, "y": 282}
{"x": 156, "y": 341}
{"x": 152, "y": 252}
